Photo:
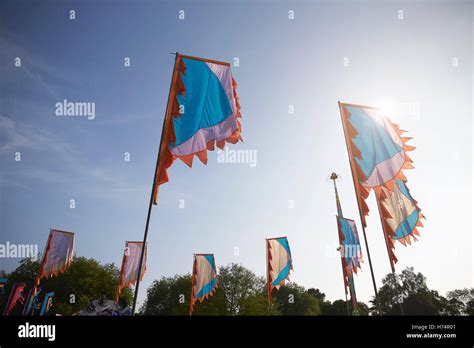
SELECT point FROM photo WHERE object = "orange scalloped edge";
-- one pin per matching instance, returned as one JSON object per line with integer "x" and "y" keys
{"x": 193, "y": 283}
{"x": 41, "y": 273}
{"x": 283, "y": 281}
{"x": 385, "y": 215}
{"x": 21, "y": 298}
{"x": 166, "y": 157}
{"x": 365, "y": 191}
{"x": 345, "y": 267}
{"x": 130, "y": 282}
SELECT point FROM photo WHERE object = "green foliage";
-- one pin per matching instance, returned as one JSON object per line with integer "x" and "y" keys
{"x": 293, "y": 299}
{"x": 240, "y": 292}
{"x": 339, "y": 307}
{"x": 460, "y": 302}
{"x": 238, "y": 284}
{"x": 418, "y": 299}
{"x": 168, "y": 296}
{"x": 85, "y": 280}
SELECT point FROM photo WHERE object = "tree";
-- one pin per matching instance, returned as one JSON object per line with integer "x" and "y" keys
{"x": 461, "y": 301}
{"x": 339, "y": 307}
{"x": 418, "y": 299}
{"x": 237, "y": 284}
{"x": 293, "y": 299}
{"x": 239, "y": 292}
{"x": 168, "y": 296}
{"x": 84, "y": 280}
{"x": 316, "y": 293}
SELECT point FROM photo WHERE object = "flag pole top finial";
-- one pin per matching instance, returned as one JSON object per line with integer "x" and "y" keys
{"x": 334, "y": 176}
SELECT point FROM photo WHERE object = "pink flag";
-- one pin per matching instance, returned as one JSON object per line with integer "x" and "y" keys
{"x": 58, "y": 254}
{"x": 16, "y": 295}
{"x": 130, "y": 264}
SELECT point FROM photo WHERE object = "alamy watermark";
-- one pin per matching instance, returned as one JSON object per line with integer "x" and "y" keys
{"x": 10, "y": 250}
{"x": 231, "y": 156}
{"x": 401, "y": 109}
{"x": 68, "y": 108}
{"x": 347, "y": 251}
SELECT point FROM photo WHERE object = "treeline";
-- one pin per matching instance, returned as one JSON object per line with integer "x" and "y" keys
{"x": 240, "y": 292}
{"x": 85, "y": 280}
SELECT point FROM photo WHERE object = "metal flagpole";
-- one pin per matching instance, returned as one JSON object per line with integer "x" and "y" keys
{"x": 269, "y": 288}
{"x": 192, "y": 287}
{"x": 153, "y": 188}
{"x": 392, "y": 265}
{"x": 334, "y": 177}
{"x": 351, "y": 157}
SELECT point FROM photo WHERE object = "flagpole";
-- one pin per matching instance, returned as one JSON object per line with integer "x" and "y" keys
{"x": 269, "y": 288}
{"x": 392, "y": 265}
{"x": 360, "y": 212}
{"x": 192, "y": 287}
{"x": 120, "y": 274}
{"x": 152, "y": 191}
{"x": 334, "y": 177}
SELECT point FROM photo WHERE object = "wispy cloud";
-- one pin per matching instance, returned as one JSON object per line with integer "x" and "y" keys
{"x": 10, "y": 137}
{"x": 75, "y": 167}
{"x": 40, "y": 74}
{"x": 54, "y": 146}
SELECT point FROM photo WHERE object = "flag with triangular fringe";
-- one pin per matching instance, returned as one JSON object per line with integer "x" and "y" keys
{"x": 377, "y": 150}
{"x": 204, "y": 279}
{"x": 58, "y": 254}
{"x": 279, "y": 263}
{"x": 203, "y": 111}
{"x": 350, "y": 249}
{"x": 400, "y": 215}
{"x": 32, "y": 301}
{"x": 16, "y": 295}
{"x": 351, "y": 254}
{"x": 47, "y": 303}
{"x": 130, "y": 264}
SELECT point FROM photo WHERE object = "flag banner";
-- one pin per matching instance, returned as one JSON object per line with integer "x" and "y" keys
{"x": 400, "y": 215}
{"x": 58, "y": 254}
{"x": 351, "y": 254}
{"x": 26, "y": 305}
{"x": 377, "y": 150}
{"x": 350, "y": 249}
{"x": 130, "y": 264}
{"x": 32, "y": 301}
{"x": 203, "y": 111}
{"x": 279, "y": 263}
{"x": 47, "y": 303}
{"x": 204, "y": 278}
{"x": 16, "y": 295}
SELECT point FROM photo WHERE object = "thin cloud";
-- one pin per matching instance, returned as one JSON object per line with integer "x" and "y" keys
{"x": 17, "y": 136}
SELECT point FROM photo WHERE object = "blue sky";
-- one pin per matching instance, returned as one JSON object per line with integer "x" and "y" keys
{"x": 407, "y": 66}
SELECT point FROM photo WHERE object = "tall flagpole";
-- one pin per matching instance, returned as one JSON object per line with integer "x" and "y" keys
{"x": 334, "y": 177}
{"x": 392, "y": 265}
{"x": 351, "y": 157}
{"x": 152, "y": 190}
{"x": 269, "y": 288}
{"x": 192, "y": 287}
